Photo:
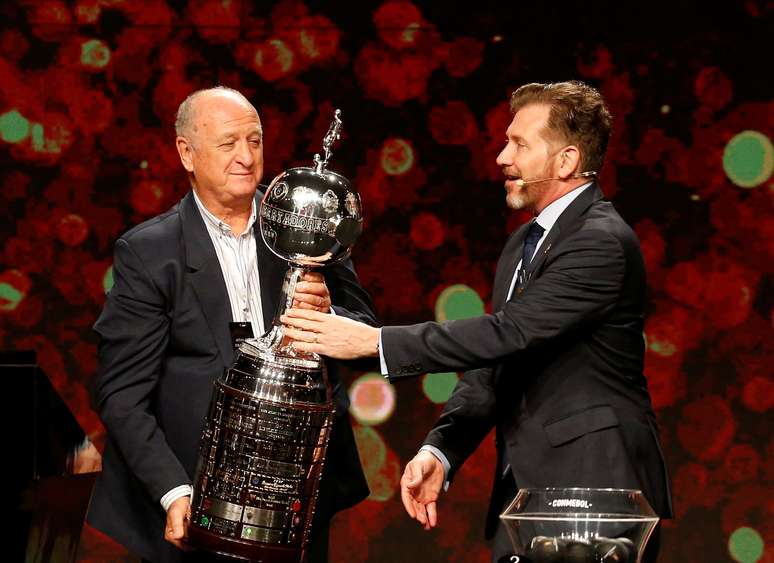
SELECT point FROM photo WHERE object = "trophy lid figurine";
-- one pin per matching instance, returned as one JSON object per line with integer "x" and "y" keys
{"x": 266, "y": 434}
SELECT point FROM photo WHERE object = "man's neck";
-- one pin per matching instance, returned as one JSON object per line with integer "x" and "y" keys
{"x": 562, "y": 190}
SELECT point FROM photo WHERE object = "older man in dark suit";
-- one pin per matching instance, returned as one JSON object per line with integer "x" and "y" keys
{"x": 181, "y": 280}
{"x": 557, "y": 368}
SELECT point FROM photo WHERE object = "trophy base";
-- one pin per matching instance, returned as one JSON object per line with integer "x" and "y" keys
{"x": 247, "y": 551}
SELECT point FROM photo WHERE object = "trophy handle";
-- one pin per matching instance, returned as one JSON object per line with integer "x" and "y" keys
{"x": 292, "y": 276}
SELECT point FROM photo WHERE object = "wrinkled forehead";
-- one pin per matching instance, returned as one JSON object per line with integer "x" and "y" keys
{"x": 225, "y": 111}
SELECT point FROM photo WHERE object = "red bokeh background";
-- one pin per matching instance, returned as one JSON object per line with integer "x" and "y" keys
{"x": 88, "y": 96}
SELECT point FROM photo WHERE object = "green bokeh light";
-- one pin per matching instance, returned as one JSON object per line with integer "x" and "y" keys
{"x": 370, "y": 442}
{"x": 284, "y": 54}
{"x": 37, "y": 137}
{"x": 663, "y": 348}
{"x": 748, "y": 159}
{"x": 10, "y": 297}
{"x": 14, "y": 127}
{"x": 95, "y": 53}
{"x": 397, "y": 157}
{"x": 372, "y": 450}
{"x": 107, "y": 280}
{"x": 380, "y": 464}
{"x": 458, "y": 302}
{"x": 455, "y": 302}
{"x": 438, "y": 387}
{"x": 745, "y": 545}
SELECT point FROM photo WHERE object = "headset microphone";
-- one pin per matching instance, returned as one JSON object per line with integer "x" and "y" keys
{"x": 521, "y": 183}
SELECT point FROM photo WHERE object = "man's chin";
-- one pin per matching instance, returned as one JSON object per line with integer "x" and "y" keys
{"x": 515, "y": 202}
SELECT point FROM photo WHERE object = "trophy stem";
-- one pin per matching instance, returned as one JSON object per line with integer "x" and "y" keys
{"x": 273, "y": 340}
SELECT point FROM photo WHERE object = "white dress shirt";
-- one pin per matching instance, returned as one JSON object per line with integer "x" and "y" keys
{"x": 238, "y": 260}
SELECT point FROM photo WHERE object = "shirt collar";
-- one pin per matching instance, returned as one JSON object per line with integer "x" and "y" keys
{"x": 213, "y": 222}
{"x": 551, "y": 213}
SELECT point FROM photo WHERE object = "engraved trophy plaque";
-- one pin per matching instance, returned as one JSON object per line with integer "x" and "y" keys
{"x": 266, "y": 434}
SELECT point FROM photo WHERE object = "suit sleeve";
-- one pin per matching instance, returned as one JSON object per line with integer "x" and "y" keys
{"x": 134, "y": 331}
{"x": 579, "y": 286}
{"x": 467, "y": 418}
{"x": 348, "y": 296}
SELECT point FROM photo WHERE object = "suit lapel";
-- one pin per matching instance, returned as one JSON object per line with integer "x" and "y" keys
{"x": 271, "y": 272}
{"x": 206, "y": 277}
{"x": 543, "y": 251}
{"x": 507, "y": 267}
{"x": 563, "y": 225}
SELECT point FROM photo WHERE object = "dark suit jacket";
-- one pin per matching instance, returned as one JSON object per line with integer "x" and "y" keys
{"x": 164, "y": 339}
{"x": 559, "y": 366}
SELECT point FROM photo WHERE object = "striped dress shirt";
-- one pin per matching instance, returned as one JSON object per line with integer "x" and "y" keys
{"x": 239, "y": 264}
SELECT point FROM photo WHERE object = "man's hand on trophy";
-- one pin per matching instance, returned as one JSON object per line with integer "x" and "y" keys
{"x": 312, "y": 293}
{"x": 178, "y": 516}
{"x": 329, "y": 335}
{"x": 420, "y": 486}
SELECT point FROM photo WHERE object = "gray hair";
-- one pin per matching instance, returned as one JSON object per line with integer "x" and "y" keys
{"x": 185, "y": 112}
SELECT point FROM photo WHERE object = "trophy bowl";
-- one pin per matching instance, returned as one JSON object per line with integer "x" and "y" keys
{"x": 578, "y": 525}
{"x": 310, "y": 218}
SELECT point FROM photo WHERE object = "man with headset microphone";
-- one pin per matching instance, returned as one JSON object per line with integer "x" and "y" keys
{"x": 557, "y": 367}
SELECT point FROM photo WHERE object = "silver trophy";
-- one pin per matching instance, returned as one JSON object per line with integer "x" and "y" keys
{"x": 264, "y": 441}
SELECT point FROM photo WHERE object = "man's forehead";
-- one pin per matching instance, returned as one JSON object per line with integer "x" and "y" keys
{"x": 228, "y": 123}
{"x": 530, "y": 119}
{"x": 247, "y": 119}
{"x": 227, "y": 110}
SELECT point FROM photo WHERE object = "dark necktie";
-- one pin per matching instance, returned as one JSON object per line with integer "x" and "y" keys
{"x": 533, "y": 236}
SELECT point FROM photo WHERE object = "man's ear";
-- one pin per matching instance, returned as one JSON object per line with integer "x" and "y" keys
{"x": 184, "y": 149}
{"x": 569, "y": 162}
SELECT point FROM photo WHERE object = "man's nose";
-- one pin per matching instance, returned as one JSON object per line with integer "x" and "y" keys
{"x": 245, "y": 155}
{"x": 504, "y": 158}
